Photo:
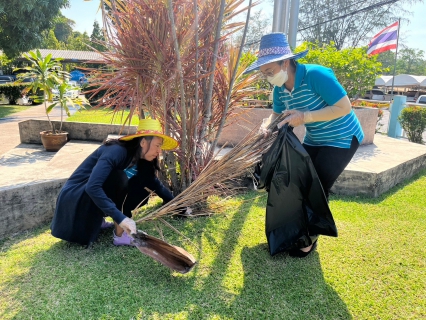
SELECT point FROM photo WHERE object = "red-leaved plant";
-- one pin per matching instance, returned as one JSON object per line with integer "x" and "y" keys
{"x": 173, "y": 61}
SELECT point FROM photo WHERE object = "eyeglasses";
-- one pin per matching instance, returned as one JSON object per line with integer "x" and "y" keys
{"x": 269, "y": 73}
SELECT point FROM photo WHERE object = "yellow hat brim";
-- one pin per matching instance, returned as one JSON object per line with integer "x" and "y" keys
{"x": 168, "y": 142}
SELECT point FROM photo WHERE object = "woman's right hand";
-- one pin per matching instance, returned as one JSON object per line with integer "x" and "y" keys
{"x": 129, "y": 226}
{"x": 264, "y": 128}
{"x": 266, "y": 132}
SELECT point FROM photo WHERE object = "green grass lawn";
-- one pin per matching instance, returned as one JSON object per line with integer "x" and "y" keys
{"x": 7, "y": 110}
{"x": 101, "y": 116}
{"x": 375, "y": 269}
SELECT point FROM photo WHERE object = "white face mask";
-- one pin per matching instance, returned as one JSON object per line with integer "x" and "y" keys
{"x": 279, "y": 78}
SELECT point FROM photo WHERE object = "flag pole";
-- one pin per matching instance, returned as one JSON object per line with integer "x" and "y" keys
{"x": 396, "y": 54}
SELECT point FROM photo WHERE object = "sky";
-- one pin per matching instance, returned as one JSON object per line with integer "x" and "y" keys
{"x": 412, "y": 34}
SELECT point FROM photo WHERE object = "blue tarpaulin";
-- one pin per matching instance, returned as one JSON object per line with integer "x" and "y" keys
{"x": 77, "y": 75}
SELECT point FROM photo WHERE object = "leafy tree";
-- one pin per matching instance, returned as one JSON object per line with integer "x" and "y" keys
{"x": 387, "y": 59}
{"x": 354, "y": 69}
{"x": 79, "y": 42}
{"x": 262, "y": 86}
{"x": 50, "y": 42}
{"x": 22, "y": 23}
{"x": 97, "y": 37}
{"x": 258, "y": 26}
{"x": 325, "y": 21}
{"x": 411, "y": 61}
{"x": 63, "y": 28}
{"x": 5, "y": 64}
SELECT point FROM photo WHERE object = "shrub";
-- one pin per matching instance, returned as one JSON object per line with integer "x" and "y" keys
{"x": 92, "y": 94}
{"x": 354, "y": 69}
{"x": 413, "y": 121}
{"x": 12, "y": 91}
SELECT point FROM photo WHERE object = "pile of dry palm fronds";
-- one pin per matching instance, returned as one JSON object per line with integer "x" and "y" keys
{"x": 174, "y": 61}
{"x": 218, "y": 176}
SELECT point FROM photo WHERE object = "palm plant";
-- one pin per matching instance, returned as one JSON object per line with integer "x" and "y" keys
{"x": 171, "y": 60}
{"x": 65, "y": 102}
{"x": 46, "y": 74}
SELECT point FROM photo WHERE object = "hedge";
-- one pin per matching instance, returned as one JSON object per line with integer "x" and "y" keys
{"x": 12, "y": 91}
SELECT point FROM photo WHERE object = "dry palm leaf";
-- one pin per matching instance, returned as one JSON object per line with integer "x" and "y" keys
{"x": 215, "y": 179}
{"x": 171, "y": 256}
{"x": 218, "y": 177}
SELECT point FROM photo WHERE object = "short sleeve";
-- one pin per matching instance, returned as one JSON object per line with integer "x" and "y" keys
{"x": 322, "y": 81}
{"x": 278, "y": 106}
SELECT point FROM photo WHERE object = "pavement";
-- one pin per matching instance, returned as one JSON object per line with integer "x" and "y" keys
{"x": 21, "y": 164}
{"x": 9, "y": 137}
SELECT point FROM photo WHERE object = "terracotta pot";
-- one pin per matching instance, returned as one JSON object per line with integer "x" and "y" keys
{"x": 53, "y": 141}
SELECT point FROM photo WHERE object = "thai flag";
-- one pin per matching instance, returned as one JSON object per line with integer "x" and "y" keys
{"x": 384, "y": 40}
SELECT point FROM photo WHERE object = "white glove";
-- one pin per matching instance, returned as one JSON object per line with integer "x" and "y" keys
{"x": 264, "y": 128}
{"x": 128, "y": 225}
{"x": 293, "y": 117}
{"x": 187, "y": 212}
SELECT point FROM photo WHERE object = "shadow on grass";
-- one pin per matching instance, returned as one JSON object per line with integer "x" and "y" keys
{"x": 278, "y": 287}
{"x": 42, "y": 277}
{"x": 235, "y": 277}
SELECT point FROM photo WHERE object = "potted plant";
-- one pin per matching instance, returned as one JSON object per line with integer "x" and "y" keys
{"x": 48, "y": 76}
{"x": 54, "y": 141}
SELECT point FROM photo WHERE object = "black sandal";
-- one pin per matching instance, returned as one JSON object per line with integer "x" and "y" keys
{"x": 297, "y": 253}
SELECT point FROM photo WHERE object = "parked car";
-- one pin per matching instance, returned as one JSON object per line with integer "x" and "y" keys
{"x": 374, "y": 95}
{"x": 25, "y": 80}
{"x": 6, "y": 79}
{"x": 421, "y": 99}
{"x": 70, "y": 93}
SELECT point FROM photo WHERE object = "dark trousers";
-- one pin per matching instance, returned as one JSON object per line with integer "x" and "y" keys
{"x": 329, "y": 162}
{"x": 127, "y": 194}
{"x": 116, "y": 187}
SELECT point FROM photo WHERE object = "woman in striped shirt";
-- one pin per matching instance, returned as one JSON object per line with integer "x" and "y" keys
{"x": 311, "y": 95}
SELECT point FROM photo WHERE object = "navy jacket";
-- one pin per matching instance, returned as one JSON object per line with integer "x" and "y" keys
{"x": 82, "y": 202}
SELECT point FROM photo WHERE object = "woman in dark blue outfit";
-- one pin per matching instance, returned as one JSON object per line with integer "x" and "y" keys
{"x": 100, "y": 186}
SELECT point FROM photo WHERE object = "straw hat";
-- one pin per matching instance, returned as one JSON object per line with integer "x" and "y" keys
{"x": 274, "y": 47}
{"x": 152, "y": 127}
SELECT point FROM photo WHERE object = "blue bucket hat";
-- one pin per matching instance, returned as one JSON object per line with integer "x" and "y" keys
{"x": 274, "y": 47}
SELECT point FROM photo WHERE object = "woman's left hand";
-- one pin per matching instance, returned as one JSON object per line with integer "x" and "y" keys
{"x": 188, "y": 211}
{"x": 293, "y": 117}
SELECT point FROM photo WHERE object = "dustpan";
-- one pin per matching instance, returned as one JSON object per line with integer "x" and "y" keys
{"x": 173, "y": 257}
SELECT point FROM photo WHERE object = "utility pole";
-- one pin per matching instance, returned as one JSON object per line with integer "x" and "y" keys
{"x": 294, "y": 23}
{"x": 286, "y": 19}
{"x": 281, "y": 16}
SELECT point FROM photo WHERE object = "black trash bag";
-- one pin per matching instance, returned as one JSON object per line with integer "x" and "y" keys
{"x": 297, "y": 209}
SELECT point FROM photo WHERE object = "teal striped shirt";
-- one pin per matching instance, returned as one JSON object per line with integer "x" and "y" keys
{"x": 316, "y": 87}
{"x": 130, "y": 172}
